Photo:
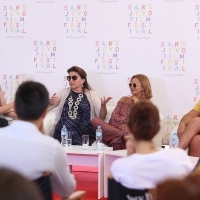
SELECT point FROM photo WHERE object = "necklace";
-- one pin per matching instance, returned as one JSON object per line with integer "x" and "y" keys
{"x": 72, "y": 114}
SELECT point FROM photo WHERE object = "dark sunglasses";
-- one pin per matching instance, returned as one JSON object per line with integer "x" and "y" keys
{"x": 72, "y": 77}
{"x": 133, "y": 84}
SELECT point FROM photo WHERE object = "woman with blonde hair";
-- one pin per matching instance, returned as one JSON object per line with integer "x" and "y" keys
{"x": 114, "y": 132}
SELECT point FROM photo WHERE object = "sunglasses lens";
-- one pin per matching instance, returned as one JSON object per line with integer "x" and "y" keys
{"x": 74, "y": 78}
{"x": 132, "y": 84}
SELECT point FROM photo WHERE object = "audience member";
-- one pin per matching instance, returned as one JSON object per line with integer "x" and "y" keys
{"x": 189, "y": 126}
{"x": 77, "y": 106}
{"x": 145, "y": 166}
{"x": 13, "y": 186}
{"x": 114, "y": 132}
{"x": 183, "y": 189}
{"x": 25, "y": 149}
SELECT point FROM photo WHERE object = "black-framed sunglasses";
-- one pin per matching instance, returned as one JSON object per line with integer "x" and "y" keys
{"x": 133, "y": 84}
{"x": 74, "y": 77}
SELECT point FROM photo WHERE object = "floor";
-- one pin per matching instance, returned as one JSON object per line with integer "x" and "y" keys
{"x": 86, "y": 178}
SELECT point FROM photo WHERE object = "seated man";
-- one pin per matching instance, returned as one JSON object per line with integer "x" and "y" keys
{"x": 25, "y": 149}
{"x": 189, "y": 127}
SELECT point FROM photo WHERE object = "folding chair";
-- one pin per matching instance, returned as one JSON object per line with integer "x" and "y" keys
{"x": 44, "y": 185}
{"x": 116, "y": 191}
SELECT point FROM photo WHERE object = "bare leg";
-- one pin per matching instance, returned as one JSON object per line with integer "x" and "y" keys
{"x": 194, "y": 148}
{"x": 192, "y": 129}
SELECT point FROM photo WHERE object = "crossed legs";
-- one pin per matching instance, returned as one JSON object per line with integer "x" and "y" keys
{"x": 192, "y": 129}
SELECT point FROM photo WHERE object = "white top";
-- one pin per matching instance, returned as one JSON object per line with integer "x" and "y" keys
{"x": 26, "y": 150}
{"x": 144, "y": 171}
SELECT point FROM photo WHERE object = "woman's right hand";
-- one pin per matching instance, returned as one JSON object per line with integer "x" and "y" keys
{"x": 53, "y": 100}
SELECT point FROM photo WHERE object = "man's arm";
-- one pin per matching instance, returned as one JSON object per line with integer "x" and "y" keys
{"x": 64, "y": 182}
{"x": 186, "y": 119}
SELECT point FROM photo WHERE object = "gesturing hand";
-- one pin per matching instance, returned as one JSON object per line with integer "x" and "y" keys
{"x": 104, "y": 100}
{"x": 53, "y": 100}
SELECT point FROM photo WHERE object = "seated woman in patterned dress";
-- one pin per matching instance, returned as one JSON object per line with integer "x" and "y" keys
{"x": 114, "y": 132}
{"x": 77, "y": 106}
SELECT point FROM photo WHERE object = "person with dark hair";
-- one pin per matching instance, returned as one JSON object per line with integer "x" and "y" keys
{"x": 5, "y": 110}
{"x": 26, "y": 149}
{"x": 179, "y": 189}
{"x": 15, "y": 186}
{"x": 114, "y": 132}
{"x": 77, "y": 106}
{"x": 145, "y": 166}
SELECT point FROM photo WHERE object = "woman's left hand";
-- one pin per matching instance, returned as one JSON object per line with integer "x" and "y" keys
{"x": 104, "y": 100}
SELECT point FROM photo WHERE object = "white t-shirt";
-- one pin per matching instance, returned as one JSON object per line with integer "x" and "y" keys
{"x": 141, "y": 171}
{"x": 26, "y": 150}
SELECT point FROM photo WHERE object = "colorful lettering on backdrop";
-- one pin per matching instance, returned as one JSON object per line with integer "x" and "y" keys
{"x": 173, "y": 58}
{"x": 196, "y": 24}
{"x": 45, "y": 56}
{"x": 196, "y": 89}
{"x": 140, "y": 20}
{"x": 10, "y": 85}
{"x": 169, "y": 122}
{"x": 75, "y": 23}
{"x": 107, "y": 57}
{"x": 65, "y": 82}
{"x": 14, "y": 17}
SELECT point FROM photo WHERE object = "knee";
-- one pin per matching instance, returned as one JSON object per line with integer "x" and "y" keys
{"x": 195, "y": 121}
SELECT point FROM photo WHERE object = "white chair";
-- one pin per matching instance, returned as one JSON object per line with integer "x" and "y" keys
{"x": 49, "y": 122}
{"x": 50, "y": 119}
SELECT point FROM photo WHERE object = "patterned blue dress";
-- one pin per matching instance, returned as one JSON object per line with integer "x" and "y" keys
{"x": 80, "y": 125}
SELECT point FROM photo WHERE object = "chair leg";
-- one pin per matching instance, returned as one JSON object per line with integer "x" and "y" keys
{"x": 70, "y": 168}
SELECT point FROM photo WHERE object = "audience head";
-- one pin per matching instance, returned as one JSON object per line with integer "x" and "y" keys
{"x": 184, "y": 189}
{"x": 145, "y": 84}
{"x": 14, "y": 186}
{"x": 79, "y": 76}
{"x": 143, "y": 121}
{"x": 31, "y": 100}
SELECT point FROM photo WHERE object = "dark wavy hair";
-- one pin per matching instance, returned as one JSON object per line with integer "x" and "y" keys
{"x": 143, "y": 120}
{"x": 82, "y": 74}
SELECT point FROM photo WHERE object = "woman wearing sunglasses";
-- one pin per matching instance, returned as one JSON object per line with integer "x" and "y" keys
{"x": 77, "y": 106}
{"x": 114, "y": 132}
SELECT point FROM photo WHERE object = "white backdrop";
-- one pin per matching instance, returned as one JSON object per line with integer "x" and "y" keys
{"x": 112, "y": 40}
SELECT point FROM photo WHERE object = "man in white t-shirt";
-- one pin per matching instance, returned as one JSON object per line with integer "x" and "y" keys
{"x": 25, "y": 149}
